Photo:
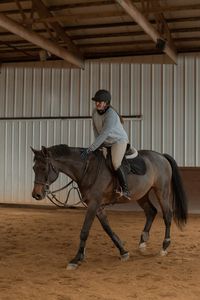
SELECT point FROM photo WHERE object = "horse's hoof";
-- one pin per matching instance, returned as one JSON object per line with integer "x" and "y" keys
{"x": 163, "y": 252}
{"x": 142, "y": 247}
{"x": 125, "y": 256}
{"x": 72, "y": 266}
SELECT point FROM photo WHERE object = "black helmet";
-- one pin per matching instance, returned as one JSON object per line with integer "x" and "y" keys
{"x": 102, "y": 96}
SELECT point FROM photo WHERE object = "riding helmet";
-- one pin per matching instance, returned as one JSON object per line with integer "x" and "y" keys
{"x": 102, "y": 96}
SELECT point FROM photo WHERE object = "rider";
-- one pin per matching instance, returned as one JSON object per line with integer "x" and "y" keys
{"x": 109, "y": 132}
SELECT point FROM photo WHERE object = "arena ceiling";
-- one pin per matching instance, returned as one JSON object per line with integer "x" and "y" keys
{"x": 74, "y": 31}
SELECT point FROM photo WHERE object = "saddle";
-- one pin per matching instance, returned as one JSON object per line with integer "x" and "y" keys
{"x": 132, "y": 162}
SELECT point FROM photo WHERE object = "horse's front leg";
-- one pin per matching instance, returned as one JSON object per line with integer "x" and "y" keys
{"x": 89, "y": 218}
{"x": 101, "y": 215}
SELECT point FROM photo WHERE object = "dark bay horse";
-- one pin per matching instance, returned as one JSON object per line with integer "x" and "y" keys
{"x": 97, "y": 186}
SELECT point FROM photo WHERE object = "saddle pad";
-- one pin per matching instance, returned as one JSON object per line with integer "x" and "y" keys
{"x": 135, "y": 165}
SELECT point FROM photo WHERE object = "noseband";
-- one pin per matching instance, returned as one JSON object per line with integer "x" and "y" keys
{"x": 46, "y": 184}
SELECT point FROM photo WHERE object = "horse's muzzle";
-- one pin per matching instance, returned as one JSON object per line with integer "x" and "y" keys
{"x": 37, "y": 196}
{"x": 38, "y": 192}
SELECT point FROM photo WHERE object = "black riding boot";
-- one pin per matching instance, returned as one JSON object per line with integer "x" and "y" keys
{"x": 123, "y": 182}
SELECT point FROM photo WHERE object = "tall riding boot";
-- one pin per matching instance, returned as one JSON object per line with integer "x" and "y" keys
{"x": 123, "y": 182}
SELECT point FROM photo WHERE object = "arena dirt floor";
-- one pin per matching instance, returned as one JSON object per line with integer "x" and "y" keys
{"x": 36, "y": 245}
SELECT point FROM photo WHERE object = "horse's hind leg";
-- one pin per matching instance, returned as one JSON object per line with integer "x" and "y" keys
{"x": 101, "y": 215}
{"x": 150, "y": 213}
{"x": 164, "y": 198}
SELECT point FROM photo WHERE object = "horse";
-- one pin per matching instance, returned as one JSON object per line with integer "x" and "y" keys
{"x": 97, "y": 183}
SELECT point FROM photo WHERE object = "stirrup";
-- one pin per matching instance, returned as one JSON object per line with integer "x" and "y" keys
{"x": 121, "y": 194}
{"x": 126, "y": 196}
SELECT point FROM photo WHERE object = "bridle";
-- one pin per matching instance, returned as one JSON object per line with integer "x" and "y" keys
{"x": 47, "y": 183}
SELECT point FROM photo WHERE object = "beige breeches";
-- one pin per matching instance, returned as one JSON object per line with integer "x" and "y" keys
{"x": 117, "y": 153}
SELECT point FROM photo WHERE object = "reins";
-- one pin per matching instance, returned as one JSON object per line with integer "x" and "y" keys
{"x": 61, "y": 204}
{"x": 51, "y": 194}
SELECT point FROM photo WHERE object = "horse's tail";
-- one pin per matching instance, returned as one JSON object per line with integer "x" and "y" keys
{"x": 180, "y": 203}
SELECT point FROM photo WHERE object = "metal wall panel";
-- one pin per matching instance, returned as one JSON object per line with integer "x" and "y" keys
{"x": 167, "y": 97}
{"x": 16, "y": 157}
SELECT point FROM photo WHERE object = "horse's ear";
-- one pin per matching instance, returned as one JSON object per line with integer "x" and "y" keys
{"x": 34, "y": 151}
{"x": 45, "y": 152}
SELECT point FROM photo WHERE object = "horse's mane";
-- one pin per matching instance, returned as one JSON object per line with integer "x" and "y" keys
{"x": 59, "y": 150}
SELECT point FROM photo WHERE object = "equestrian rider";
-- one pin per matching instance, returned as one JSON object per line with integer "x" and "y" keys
{"x": 109, "y": 133}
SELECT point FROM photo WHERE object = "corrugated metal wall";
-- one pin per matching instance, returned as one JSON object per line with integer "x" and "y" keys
{"x": 167, "y": 97}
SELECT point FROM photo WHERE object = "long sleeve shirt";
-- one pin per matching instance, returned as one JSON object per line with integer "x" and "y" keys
{"x": 108, "y": 129}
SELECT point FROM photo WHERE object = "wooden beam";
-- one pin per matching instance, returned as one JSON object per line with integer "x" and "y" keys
{"x": 113, "y": 44}
{"x": 120, "y": 53}
{"x": 20, "y": 46}
{"x": 139, "y": 59}
{"x": 162, "y": 25}
{"x": 145, "y": 7}
{"x": 69, "y": 18}
{"x": 70, "y": 6}
{"x": 9, "y": 46}
{"x": 109, "y": 42}
{"x": 74, "y": 27}
{"x": 138, "y": 17}
{"x": 20, "y": 9}
{"x": 85, "y": 4}
{"x": 166, "y": 8}
{"x": 14, "y": 27}
{"x": 56, "y": 64}
{"x": 43, "y": 11}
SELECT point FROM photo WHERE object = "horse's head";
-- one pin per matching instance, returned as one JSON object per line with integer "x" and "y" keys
{"x": 45, "y": 173}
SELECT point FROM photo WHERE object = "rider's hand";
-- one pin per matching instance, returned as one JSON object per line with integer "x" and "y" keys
{"x": 84, "y": 153}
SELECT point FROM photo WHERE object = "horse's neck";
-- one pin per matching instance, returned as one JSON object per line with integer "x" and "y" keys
{"x": 71, "y": 166}
{"x": 84, "y": 172}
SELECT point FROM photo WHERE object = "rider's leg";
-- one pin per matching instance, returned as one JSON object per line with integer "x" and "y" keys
{"x": 123, "y": 182}
{"x": 117, "y": 152}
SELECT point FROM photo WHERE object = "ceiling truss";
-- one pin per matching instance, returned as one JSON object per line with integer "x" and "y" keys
{"x": 32, "y": 30}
